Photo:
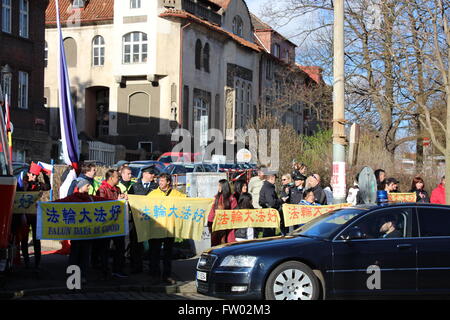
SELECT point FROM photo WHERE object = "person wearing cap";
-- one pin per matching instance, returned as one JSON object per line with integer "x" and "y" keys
{"x": 146, "y": 183}
{"x": 268, "y": 198}
{"x": 438, "y": 194}
{"x": 391, "y": 185}
{"x": 31, "y": 183}
{"x": 80, "y": 250}
{"x": 142, "y": 187}
{"x": 296, "y": 192}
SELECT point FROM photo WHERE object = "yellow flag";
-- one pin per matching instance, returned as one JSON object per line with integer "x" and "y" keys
{"x": 26, "y": 202}
{"x": 169, "y": 217}
{"x": 402, "y": 197}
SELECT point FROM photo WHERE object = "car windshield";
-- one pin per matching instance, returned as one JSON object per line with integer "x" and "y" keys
{"x": 328, "y": 224}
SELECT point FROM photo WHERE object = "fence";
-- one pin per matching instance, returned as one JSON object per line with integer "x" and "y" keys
{"x": 102, "y": 152}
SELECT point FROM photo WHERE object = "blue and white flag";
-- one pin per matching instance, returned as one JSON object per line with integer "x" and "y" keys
{"x": 69, "y": 134}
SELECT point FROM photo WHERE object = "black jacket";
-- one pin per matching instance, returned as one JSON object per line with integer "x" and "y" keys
{"x": 138, "y": 188}
{"x": 296, "y": 195}
{"x": 320, "y": 195}
{"x": 426, "y": 199}
{"x": 268, "y": 197}
{"x": 35, "y": 185}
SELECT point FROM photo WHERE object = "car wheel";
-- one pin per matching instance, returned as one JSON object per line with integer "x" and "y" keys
{"x": 292, "y": 280}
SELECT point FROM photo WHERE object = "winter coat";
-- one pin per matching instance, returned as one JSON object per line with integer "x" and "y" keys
{"x": 419, "y": 199}
{"x": 109, "y": 192}
{"x": 268, "y": 197}
{"x": 125, "y": 186}
{"x": 218, "y": 237}
{"x": 93, "y": 188}
{"x": 139, "y": 189}
{"x": 296, "y": 195}
{"x": 35, "y": 185}
{"x": 438, "y": 195}
{"x": 319, "y": 194}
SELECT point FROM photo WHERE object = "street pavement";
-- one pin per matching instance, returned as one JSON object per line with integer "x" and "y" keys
{"x": 49, "y": 282}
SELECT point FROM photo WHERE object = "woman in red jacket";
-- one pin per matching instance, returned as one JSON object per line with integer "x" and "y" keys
{"x": 438, "y": 194}
{"x": 224, "y": 200}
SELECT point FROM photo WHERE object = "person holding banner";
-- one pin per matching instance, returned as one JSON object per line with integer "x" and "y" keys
{"x": 110, "y": 191}
{"x": 245, "y": 202}
{"x": 125, "y": 182}
{"x": 223, "y": 200}
{"x": 31, "y": 183}
{"x": 268, "y": 198}
{"x": 309, "y": 198}
{"x": 418, "y": 186}
{"x": 164, "y": 190}
{"x": 80, "y": 250}
{"x": 142, "y": 187}
{"x": 88, "y": 172}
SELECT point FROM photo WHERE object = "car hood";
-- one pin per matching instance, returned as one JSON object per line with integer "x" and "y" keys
{"x": 249, "y": 246}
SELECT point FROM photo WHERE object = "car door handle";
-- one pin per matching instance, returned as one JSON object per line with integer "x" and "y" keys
{"x": 404, "y": 246}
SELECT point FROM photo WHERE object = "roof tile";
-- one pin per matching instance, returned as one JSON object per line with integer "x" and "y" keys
{"x": 94, "y": 11}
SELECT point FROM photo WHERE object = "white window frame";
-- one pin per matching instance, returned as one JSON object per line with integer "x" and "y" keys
{"x": 98, "y": 43}
{"x": 24, "y": 16}
{"x": 76, "y": 4}
{"x": 131, "y": 44}
{"x": 23, "y": 90}
{"x": 238, "y": 26}
{"x": 135, "y": 4}
{"x": 6, "y": 13}
{"x": 46, "y": 55}
{"x": 277, "y": 50}
{"x": 6, "y": 84}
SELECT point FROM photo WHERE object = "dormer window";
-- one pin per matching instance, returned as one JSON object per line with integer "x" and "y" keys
{"x": 76, "y": 4}
{"x": 276, "y": 50}
{"x": 238, "y": 26}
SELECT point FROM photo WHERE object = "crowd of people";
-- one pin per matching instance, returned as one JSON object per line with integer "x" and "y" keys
{"x": 298, "y": 187}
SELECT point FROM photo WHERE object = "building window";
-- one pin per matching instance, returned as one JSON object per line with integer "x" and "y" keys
{"x": 201, "y": 108}
{"x": 139, "y": 108}
{"x": 269, "y": 69}
{"x": 98, "y": 51}
{"x": 198, "y": 55}
{"x": 76, "y": 4}
{"x": 238, "y": 26}
{"x": 135, "y": 4}
{"x": 70, "y": 48}
{"x": 206, "y": 57}
{"x": 46, "y": 55}
{"x": 135, "y": 47}
{"x": 276, "y": 50}
{"x": 23, "y": 90}
{"x": 23, "y": 22}
{"x": 6, "y": 16}
{"x": 6, "y": 84}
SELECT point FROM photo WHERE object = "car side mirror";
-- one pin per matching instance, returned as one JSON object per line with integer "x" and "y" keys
{"x": 353, "y": 234}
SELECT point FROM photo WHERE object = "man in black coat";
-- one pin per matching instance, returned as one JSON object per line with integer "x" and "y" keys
{"x": 319, "y": 194}
{"x": 142, "y": 187}
{"x": 268, "y": 198}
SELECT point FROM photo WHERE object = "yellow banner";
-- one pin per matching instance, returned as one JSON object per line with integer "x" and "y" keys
{"x": 246, "y": 218}
{"x": 169, "y": 217}
{"x": 26, "y": 202}
{"x": 295, "y": 214}
{"x": 82, "y": 220}
{"x": 402, "y": 197}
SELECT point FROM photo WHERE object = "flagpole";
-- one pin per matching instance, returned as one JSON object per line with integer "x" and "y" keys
{"x": 52, "y": 162}
{"x": 8, "y": 127}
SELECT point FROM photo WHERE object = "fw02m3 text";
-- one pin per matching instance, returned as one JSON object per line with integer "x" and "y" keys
{"x": 225, "y": 309}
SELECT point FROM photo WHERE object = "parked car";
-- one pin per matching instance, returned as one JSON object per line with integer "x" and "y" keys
{"x": 180, "y": 170}
{"x": 171, "y": 157}
{"x": 136, "y": 169}
{"x": 359, "y": 252}
{"x": 18, "y": 167}
{"x": 157, "y": 164}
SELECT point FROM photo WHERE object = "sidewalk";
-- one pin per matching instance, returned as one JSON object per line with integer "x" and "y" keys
{"x": 51, "y": 278}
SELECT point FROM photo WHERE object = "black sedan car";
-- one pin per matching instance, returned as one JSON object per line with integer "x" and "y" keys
{"x": 359, "y": 252}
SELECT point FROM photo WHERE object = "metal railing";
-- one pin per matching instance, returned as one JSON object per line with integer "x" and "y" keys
{"x": 202, "y": 12}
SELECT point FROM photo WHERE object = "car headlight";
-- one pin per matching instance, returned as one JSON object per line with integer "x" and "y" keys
{"x": 238, "y": 261}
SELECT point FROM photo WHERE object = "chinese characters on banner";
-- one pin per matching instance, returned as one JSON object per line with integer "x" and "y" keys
{"x": 246, "y": 218}
{"x": 402, "y": 197}
{"x": 168, "y": 217}
{"x": 295, "y": 214}
{"x": 82, "y": 221}
{"x": 338, "y": 180}
{"x": 26, "y": 202}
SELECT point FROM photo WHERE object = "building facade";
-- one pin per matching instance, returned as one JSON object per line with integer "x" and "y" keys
{"x": 22, "y": 77}
{"x": 140, "y": 69}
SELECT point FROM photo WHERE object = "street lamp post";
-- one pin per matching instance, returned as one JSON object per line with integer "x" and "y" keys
{"x": 339, "y": 141}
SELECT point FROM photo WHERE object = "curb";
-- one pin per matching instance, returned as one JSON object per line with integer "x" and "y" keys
{"x": 182, "y": 287}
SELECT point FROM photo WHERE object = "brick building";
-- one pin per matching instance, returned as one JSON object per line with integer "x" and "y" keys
{"x": 22, "y": 38}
